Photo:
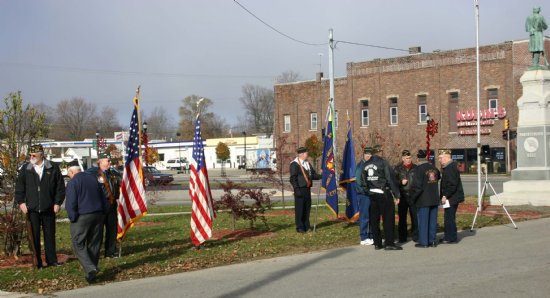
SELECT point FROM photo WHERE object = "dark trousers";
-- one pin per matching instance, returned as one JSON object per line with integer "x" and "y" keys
{"x": 46, "y": 220}
{"x": 302, "y": 208}
{"x": 86, "y": 236}
{"x": 111, "y": 229}
{"x": 402, "y": 209}
{"x": 449, "y": 219}
{"x": 382, "y": 205}
{"x": 427, "y": 225}
{"x": 365, "y": 230}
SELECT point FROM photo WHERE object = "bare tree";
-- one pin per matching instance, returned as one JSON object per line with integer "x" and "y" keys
{"x": 212, "y": 125}
{"x": 259, "y": 105}
{"x": 107, "y": 122}
{"x": 288, "y": 76}
{"x": 158, "y": 124}
{"x": 76, "y": 119}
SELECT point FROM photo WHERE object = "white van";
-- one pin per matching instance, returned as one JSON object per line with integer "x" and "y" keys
{"x": 177, "y": 164}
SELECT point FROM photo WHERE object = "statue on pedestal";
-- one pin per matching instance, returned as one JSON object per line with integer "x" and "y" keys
{"x": 535, "y": 25}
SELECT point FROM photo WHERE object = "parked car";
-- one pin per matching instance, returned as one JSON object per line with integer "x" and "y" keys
{"x": 177, "y": 164}
{"x": 155, "y": 177}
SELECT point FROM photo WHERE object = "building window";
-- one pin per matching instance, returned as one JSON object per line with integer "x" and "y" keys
{"x": 161, "y": 156}
{"x": 365, "y": 117}
{"x": 313, "y": 121}
{"x": 422, "y": 108}
{"x": 492, "y": 95}
{"x": 287, "y": 123}
{"x": 453, "y": 109}
{"x": 393, "y": 111}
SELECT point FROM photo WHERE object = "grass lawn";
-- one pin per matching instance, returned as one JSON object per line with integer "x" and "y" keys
{"x": 161, "y": 245}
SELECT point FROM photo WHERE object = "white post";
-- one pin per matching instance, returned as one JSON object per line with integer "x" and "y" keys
{"x": 479, "y": 194}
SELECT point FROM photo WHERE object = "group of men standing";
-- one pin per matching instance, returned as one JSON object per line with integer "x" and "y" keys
{"x": 418, "y": 190}
{"x": 90, "y": 200}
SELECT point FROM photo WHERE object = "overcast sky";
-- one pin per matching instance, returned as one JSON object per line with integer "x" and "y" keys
{"x": 101, "y": 50}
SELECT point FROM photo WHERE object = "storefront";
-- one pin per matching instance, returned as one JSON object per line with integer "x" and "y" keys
{"x": 467, "y": 160}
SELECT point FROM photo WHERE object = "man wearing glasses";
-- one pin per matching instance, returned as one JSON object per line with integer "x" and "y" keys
{"x": 109, "y": 180}
{"x": 40, "y": 191}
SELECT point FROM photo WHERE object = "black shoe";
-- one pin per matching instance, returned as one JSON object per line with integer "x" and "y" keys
{"x": 420, "y": 245}
{"x": 393, "y": 247}
{"x": 90, "y": 276}
{"x": 301, "y": 231}
{"x": 402, "y": 241}
{"x": 432, "y": 244}
{"x": 55, "y": 264}
{"x": 443, "y": 241}
{"x": 113, "y": 256}
{"x": 378, "y": 247}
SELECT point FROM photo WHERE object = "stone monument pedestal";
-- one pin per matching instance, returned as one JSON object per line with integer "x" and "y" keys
{"x": 531, "y": 179}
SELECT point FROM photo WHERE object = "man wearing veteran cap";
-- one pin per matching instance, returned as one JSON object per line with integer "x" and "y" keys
{"x": 403, "y": 173}
{"x": 301, "y": 176}
{"x": 109, "y": 180}
{"x": 86, "y": 205}
{"x": 40, "y": 191}
{"x": 425, "y": 197}
{"x": 450, "y": 190}
{"x": 379, "y": 180}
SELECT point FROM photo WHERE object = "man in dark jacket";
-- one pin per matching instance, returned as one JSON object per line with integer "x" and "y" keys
{"x": 86, "y": 206}
{"x": 380, "y": 183}
{"x": 403, "y": 176}
{"x": 109, "y": 180}
{"x": 365, "y": 231}
{"x": 40, "y": 191}
{"x": 450, "y": 190}
{"x": 301, "y": 176}
{"x": 425, "y": 196}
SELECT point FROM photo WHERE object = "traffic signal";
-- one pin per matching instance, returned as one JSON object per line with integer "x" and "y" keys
{"x": 505, "y": 134}
{"x": 506, "y": 124}
{"x": 513, "y": 134}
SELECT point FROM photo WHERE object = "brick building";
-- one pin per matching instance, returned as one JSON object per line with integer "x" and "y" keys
{"x": 387, "y": 101}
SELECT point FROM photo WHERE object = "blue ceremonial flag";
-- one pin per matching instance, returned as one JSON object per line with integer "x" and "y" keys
{"x": 347, "y": 180}
{"x": 328, "y": 181}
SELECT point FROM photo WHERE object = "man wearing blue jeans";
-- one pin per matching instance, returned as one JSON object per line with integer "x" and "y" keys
{"x": 364, "y": 204}
{"x": 450, "y": 190}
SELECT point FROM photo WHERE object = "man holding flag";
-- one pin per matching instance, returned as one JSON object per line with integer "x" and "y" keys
{"x": 365, "y": 230}
{"x": 301, "y": 176}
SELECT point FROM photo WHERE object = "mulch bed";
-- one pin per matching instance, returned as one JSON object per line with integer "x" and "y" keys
{"x": 25, "y": 261}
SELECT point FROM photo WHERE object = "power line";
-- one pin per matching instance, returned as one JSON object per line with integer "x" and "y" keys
{"x": 370, "y": 45}
{"x": 278, "y": 31}
{"x": 120, "y": 72}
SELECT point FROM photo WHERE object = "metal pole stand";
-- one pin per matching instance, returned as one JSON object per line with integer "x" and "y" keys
{"x": 479, "y": 203}
{"x": 316, "y": 210}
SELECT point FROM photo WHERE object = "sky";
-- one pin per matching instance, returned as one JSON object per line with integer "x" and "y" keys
{"x": 102, "y": 50}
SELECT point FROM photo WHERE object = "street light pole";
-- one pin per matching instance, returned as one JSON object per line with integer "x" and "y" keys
{"x": 244, "y": 133}
{"x": 431, "y": 130}
{"x": 179, "y": 153}
{"x": 145, "y": 140}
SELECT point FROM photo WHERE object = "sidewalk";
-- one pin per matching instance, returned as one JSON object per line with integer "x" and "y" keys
{"x": 495, "y": 261}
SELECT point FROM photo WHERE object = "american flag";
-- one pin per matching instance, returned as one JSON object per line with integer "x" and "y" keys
{"x": 199, "y": 190}
{"x": 132, "y": 204}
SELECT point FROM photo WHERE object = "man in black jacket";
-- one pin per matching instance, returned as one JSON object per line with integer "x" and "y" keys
{"x": 301, "y": 176}
{"x": 403, "y": 176}
{"x": 109, "y": 180}
{"x": 425, "y": 195}
{"x": 40, "y": 191}
{"x": 380, "y": 184}
{"x": 450, "y": 190}
{"x": 86, "y": 205}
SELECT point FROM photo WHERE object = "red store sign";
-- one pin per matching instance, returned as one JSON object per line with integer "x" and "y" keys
{"x": 465, "y": 120}
{"x": 486, "y": 114}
